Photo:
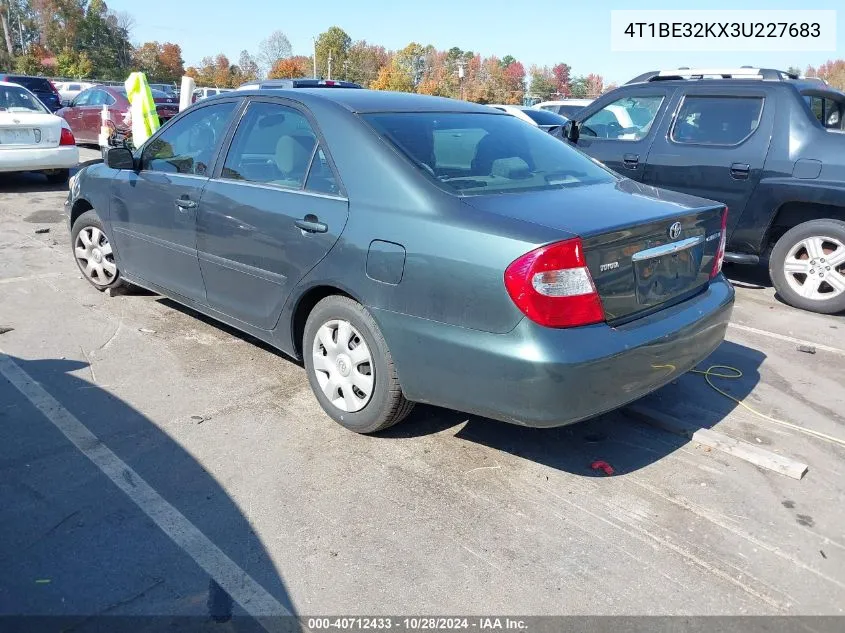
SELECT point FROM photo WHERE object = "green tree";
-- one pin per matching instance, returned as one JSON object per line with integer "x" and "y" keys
{"x": 75, "y": 64}
{"x": 29, "y": 64}
{"x": 363, "y": 63}
{"x": 543, "y": 82}
{"x": 794, "y": 70}
{"x": 334, "y": 45}
{"x": 580, "y": 88}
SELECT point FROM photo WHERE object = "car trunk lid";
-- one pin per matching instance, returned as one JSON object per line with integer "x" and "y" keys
{"x": 645, "y": 248}
{"x": 22, "y": 129}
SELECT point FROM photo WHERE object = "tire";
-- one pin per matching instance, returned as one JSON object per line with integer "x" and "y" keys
{"x": 342, "y": 373}
{"x": 58, "y": 176}
{"x": 89, "y": 226}
{"x": 807, "y": 266}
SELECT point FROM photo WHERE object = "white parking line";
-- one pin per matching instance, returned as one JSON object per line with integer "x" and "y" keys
{"x": 254, "y": 599}
{"x": 788, "y": 339}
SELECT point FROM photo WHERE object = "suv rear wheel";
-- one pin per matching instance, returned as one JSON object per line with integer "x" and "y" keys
{"x": 807, "y": 266}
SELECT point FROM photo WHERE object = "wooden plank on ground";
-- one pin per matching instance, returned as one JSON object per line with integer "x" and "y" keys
{"x": 738, "y": 448}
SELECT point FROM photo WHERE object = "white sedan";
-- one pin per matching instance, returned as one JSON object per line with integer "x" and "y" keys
{"x": 33, "y": 139}
{"x": 545, "y": 120}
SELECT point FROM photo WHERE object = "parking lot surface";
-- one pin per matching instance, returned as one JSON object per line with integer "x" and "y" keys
{"x": 152, "y": 458}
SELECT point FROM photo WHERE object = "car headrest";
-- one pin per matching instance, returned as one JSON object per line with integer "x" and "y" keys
{"x": 293, "y": 153}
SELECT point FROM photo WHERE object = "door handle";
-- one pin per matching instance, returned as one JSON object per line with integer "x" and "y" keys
{"x": 631, "y": 161}
{"x": 740, "y": 171}
{"x": 311, "y": 224}
{"x": 185, "y": 204}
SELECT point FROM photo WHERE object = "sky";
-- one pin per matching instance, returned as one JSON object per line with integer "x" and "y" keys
{"x": 539, "y": 32}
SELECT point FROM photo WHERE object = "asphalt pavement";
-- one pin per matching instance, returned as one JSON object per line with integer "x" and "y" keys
{"x": 155, "y": 462}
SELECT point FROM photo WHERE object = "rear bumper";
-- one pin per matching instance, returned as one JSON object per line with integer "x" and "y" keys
{"x": 545, "y": 377}
{"x": 62, "y": 157}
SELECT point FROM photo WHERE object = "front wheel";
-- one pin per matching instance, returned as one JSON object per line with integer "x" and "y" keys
{"x": 807, "y": 266}
{"x": 349, "y": 367}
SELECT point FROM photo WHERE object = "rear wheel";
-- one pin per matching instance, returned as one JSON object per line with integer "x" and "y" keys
{"x": 350, "y": 368}
{"x": 807, "y": 266}
{"x": 93, "y": 252}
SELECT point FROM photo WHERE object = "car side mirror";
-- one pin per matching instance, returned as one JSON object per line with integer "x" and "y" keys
{"x": 571, "y": 131}
{"x": 120, "y": 158}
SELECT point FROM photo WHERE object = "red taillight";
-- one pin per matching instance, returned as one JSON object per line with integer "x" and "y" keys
{"x": 720, "y": 253}
{"x": 553, "y": 287}
{"x": 67, "y": 137}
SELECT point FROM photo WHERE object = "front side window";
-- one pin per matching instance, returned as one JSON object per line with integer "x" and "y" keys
{"x": 478, "y": 153}
{"x": 706, "y": 120}
{"x": 274, "y": 145}
{"x": 626, "y": 119}
{"x": 14, "y": 99}
{"x": 188, "y": 145}
{"x": 83, "y": 98}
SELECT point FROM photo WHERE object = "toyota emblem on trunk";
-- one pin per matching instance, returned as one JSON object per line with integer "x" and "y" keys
{"x": 675, "y": 231}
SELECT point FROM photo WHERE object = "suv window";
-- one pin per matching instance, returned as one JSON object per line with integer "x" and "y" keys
{"x": 274, "y": 144}
{"x": 626, "y": 119}
{"x": 826, "y": 110}
{"x": 710, "y": 120}
{"x": 35, "y": 84}
{"x": 187, "y": 146}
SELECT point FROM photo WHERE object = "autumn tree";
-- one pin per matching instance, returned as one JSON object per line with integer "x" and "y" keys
{"x": 595, "y": 85}
{"x": 580, "y": 89}
{"x": 271, "y": 49}
{"x": 514, "y": 81}
{"x": 363, "y": 62}
{"x": 332, "y": 47}
{"x": 833, "y": 72}
{"x": 543, "y": 82}
{"x": 171, "y": 64}
{"x": 146, "y": 60}
{"x": 562, "y": 80}
{"x": 290, "y": 68}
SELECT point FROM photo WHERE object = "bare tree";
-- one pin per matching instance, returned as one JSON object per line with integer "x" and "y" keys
{"x": 4, "y": 16}
{"x": 275, "y": 47}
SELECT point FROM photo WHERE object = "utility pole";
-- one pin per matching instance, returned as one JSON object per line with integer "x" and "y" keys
{"x": 346, "y": 69}
{"x": 461, "y": 77}
{"x": 330, "y": 66}
{"x": 315, "y": 56}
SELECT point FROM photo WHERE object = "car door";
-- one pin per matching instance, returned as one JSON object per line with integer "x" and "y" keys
{"x": 273, "y": 210}
{"x": 619, "y": 132}
{"x": 715, "y": 147}
{"x": 153, "y": 210}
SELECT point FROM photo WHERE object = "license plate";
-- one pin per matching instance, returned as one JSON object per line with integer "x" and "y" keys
{"x": 19, "y": 137}
{"x": 664, "y": 272}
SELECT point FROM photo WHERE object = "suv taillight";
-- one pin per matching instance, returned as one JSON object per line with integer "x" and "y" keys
{"x": 720, "y": 253}
{"x": 552, "y": 286}
{"x": 67, "y": 137}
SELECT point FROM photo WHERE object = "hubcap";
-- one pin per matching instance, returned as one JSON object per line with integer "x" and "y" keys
{"x": 94, "y": 256}
{"x": 815, "y": 268}
{"x": 343, "y": 365}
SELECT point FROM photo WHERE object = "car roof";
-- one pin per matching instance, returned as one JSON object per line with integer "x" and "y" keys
{"x": 363, "y": 100}
{"x": 801, "y": 85}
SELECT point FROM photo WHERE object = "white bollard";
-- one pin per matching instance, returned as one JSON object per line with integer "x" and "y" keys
{"x": 186, "y": 94}
{"x": 103, "y": 139}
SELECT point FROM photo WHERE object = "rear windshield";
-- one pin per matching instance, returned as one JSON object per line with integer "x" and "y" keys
{"x": 544, "y": 117}
{"x": 569, "y": 110}
{"x": 36, "y": 84}
{"x": 476, "y": 153}
{"x": 14, "y": 99}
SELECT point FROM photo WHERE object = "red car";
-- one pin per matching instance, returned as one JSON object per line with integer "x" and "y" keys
{"x": 83, "y": 115}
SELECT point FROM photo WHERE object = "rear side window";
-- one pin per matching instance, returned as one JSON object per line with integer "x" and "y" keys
{"x": 275, "y": 145}
{"x": 826, "y": 110}
{"x": 705, "y": 120}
